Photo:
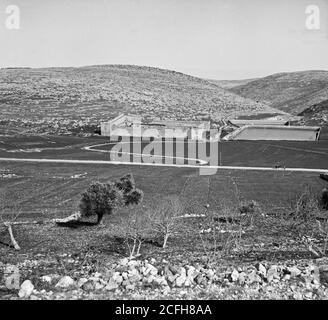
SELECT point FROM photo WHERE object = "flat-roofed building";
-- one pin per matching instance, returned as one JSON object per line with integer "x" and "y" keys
{"x": 130, "y": 125}
{"x": 257, "y": 132}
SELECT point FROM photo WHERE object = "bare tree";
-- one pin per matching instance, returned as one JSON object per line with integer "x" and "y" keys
{"x": 166, "y": 217}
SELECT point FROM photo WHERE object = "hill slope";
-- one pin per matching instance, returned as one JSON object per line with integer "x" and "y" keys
{"x": 316, "y": 114}
{"x": 54, "y": 97}
{"x": 291, "y": 92}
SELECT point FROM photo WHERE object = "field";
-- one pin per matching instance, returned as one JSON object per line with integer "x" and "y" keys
{"x": 40, "y": 191}
{"x": 54, "y": 188}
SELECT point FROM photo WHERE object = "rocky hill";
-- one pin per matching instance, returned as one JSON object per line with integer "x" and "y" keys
{"x": 316, "y": 114}
{"x": 290, "y": 92}
{"x": 51, "y": 99}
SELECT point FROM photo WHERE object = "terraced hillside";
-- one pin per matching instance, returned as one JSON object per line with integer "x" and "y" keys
{"x": 290, "y": 92}
{"x": 53, "y": 99}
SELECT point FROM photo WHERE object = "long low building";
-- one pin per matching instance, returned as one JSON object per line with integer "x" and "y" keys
{"x": 256, "y": 132}
{"x": 130, "y": 125}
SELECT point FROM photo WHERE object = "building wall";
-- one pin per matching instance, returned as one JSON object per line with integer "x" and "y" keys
{"x": 277, "y": 133}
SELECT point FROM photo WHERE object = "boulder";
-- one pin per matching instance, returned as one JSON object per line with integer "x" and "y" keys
{"x": 26, "y": 289}
{"x": 65, "y": 282}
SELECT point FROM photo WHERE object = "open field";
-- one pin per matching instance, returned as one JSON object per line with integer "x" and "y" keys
{"x": 40, "y": 191}
{"x": 292, "y": 154}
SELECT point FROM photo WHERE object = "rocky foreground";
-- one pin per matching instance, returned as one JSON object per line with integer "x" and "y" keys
{"x": 143, "y": 279}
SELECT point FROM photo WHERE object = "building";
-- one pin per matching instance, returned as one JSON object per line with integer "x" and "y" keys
{"x": 264, "y": 122}
{"x": 122, "y": 125}
{"x": 275, "y": 132}
{"x": 130, "y": 125}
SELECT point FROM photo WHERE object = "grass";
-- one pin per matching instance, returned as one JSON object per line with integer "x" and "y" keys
{"x": 46, "y": 190}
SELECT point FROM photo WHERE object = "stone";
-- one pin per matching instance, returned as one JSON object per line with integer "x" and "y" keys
{"x": 111, "y": 285}
{"x": 253, "y": 277}
{"x": 171, "y": 278}
{"x": 294, "y": 271}
{"x": 65, "y": 282}
{"x": 81, "y": 282}
{"x": 130, "y": 287}
{"x": 117, "y": 278}
{"x": 234, "y": 275}
{"x": 262, "y": 270}
{"x": 242, "y": 278}
{"x": 99, "y": 286}
{"x": 272, "y": 273}
{"x": 124, "y": 262}
{"x": 47, "y": 279}
{"x": 26, "y": 289}
{"x": 11, "y": 277}
{"x": 88, "y": 286}
{"x": 181, "y": 280}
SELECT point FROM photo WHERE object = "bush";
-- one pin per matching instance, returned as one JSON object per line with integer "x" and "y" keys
{"x": 103, "y": 198}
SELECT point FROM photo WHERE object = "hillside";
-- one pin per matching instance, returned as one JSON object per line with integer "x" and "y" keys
{"x": 52, "y": 99}
{"x": 291, "y": 92}
{"x": 316, "y": 115}
{"x": 229, "y": 84}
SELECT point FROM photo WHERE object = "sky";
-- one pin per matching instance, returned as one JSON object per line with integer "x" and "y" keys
{"x": 215, "y": 39}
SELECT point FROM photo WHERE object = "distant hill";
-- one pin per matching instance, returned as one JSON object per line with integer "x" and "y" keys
{"x": 290, "y": 92}
{"x": 56, "y": 96}
{"x": 228, "y": 84}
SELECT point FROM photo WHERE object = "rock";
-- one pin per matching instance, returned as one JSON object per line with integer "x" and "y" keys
{"x": 262, "y": 270}
{"x": 272, "y": 273}
{"x": 180, "y": 280}
{"x": 234, "y": 275}
{"x": 33, "y": 297}
{"x": 242, "y": 278}
{"x": 253, "y": 277}
{"x": 130, "y": 287}
{"x": 65, "y": 282}
{"x": 81, "y": 282}
{"x": 47, "y": 279}
{"x": 171, "y": 278}
{"x": 99, "y": 286}
{"x": 111, "y": 285}
{"x": 26, "y": 289}
{"x": 97, "y": 275}
{"x": 11, "y": 277}
{"x": 294, "y": 271}
{"x": 173, "y": 269}
{"x": 200, "y": 279}
{"x": 124, "y": 262}
{"x": 88, "y": 286}
{"x": 133, "y": 263}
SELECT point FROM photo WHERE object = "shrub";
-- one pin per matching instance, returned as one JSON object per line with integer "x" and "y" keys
{"x": 103, "y": 198}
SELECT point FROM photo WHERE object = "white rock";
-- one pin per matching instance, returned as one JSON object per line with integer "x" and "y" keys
{"x": 181, "y": 280}
{"x": 65, "y": 282}
{"x": 262, "y": 270}
{"x": 26, "y": 289}
{"x": 47, "y": 279}
{"x": 234, "y": 275}
{"x": 124, "y": 262}
{"x": 294, "y": 271}
{"x": 111, "y": 285}
{"x": 82, "y": 281}
{"x": 11, "y": 277}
